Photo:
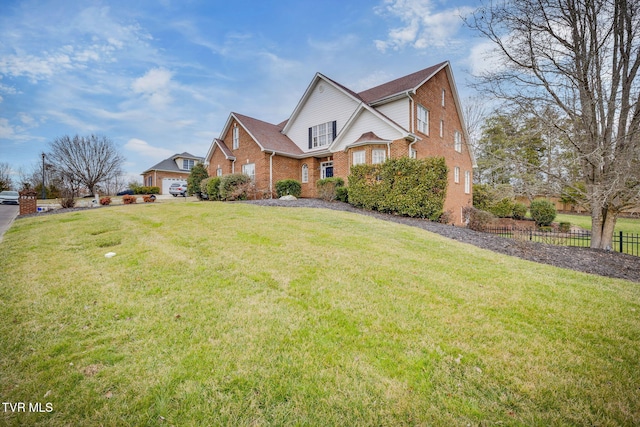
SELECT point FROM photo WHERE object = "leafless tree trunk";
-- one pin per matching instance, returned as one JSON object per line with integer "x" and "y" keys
{"x": 580, "y": 57}
{"x": 85, "y": 160}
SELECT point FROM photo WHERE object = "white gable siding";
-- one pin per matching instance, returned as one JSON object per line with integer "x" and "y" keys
{"x": 367, "y": 122}
{"x": 398, "y": 111}
{"x": 321, "y": 107}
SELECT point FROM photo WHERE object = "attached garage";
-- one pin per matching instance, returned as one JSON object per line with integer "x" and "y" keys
{"x": 166, "y": 183}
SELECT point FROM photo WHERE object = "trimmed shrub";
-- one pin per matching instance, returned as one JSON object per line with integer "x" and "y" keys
{"x": 543, "y": 212}
{"x": 503, "y": 208}
{"x": 105, "y": 201}
{"x": 477, "y": 219}
{"x": 149, "y": 198}
{"x": 234, "y": 187}
{"x": 146, "y": 190}
{"x": 519, "y": 211}
{"x": 564, "y": 227}
{"x": 127, "y": 199}
{"x": 327, "y": 188}
{"x": 210, "y": 188}
{"x": 342, "y": 194}
{"x": 288, "y": 187}
{"x": 482, "y": 196}
{"x": 410, "y": 187}
{"x": 197, "y": 174}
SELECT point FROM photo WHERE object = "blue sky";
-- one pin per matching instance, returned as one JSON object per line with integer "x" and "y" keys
{"x": 161, "y": 77}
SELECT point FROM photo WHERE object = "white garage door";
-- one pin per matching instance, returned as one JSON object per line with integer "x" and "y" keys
{"x": 166, "y": 183}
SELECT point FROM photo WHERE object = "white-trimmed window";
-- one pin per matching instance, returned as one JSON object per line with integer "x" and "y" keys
{"x": 250, "y": 169}
{"x": 378, "y": 156}
{"x": 358, "y": 157}
{"x": 467, "y": 182}
{"x": 187, "y": 164}
{"x": 456, "y": 175}
{"x": 236, "y": 137}
{"x": 443, "y": 95}
{"x": 457, "y": 142}
{"x": 305, "y": 173}
{"x": 322, "y": 134}
{"x": 423, "y": 120}
{"x": 441, "y": 128}
{"x": 413, "y": 154}
{"x": 219, "y": 172}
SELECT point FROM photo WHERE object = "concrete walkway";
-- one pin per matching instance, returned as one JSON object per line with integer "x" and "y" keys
{"x": 7, "y": 214}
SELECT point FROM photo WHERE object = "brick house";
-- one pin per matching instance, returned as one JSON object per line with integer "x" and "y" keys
{"x": 333, "y": 128}
{"x": 174, "y": 169}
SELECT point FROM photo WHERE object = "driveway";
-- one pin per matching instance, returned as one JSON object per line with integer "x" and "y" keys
{"x": 7, "y": 215}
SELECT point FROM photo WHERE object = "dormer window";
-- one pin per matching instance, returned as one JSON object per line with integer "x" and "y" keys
{"x": 187, "y": 164}
{"x": 322, "y": 134}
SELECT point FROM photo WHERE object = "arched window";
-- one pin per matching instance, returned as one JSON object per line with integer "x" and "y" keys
{"x": 305, "y": 173}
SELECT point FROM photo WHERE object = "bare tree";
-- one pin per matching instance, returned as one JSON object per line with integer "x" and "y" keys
{"x": 5, "y": 176}
{"x": 581, "y": 58}
{"x": 85, "y": 161}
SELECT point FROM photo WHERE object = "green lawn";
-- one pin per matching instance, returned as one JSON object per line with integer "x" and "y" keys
{"x": 233, "y": 314}
{"x": 626, "y": 225}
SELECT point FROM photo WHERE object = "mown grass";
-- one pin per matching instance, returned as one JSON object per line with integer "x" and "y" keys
{"x": 626, "y": 225}
{"x": 233, "y": 314}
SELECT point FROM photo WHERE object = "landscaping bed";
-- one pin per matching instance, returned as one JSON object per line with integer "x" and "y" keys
{"x": 603, "y": 263}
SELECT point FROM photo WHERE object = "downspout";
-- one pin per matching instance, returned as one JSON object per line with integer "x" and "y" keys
{"x": 388, "y": 150}
{"x": 271, "y": 174}
{"x": 233, "y": 166}
{"x": 414, "y": 141}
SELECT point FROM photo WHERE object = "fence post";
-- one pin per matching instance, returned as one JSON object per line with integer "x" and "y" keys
{"x": 620, "y": 241}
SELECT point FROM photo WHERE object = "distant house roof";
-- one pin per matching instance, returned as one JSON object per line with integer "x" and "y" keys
{"x": 170, "y": 165}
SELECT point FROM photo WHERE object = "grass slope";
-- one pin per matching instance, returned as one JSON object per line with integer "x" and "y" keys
{"x": 232, "y": 314}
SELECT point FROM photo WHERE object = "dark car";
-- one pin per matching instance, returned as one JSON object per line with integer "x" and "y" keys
{"x": 126, "y": 193}
{"x": 178, "y": 189}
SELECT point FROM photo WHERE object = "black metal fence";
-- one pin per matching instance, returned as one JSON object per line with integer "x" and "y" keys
{"x": 622, "y": 242}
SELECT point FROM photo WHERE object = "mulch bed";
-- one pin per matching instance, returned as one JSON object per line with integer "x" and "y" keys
{"x": 594, "y": 261}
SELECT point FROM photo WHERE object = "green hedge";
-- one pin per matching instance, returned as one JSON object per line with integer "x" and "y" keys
{"x": 410, "y": 187}
{"x": 288, "y": 187}
{"x": 146, "y": 190}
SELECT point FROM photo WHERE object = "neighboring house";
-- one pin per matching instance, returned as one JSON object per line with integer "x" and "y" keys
{"x": 174, "y": 169}
{"x": 333, "y": 128}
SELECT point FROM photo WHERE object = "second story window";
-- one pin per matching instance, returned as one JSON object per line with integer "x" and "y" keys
{"x": 423, "y": 120}
{"x": 187, "y": 164}
{"x": 236, "y": 138}
{"x": 457, "y": 142}
{"x": 322, "y": 134}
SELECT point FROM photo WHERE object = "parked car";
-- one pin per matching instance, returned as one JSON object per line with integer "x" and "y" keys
{"x": 9, "y": 197}
{"x": 125, "y": 193}
{"x": 178, "y": 189}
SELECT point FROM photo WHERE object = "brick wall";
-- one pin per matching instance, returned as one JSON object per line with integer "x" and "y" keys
{"x": 28, "y": 202}
{"x": 429, "y": 96}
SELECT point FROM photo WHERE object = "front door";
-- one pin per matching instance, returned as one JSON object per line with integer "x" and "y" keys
{"x": 326, "y": 169}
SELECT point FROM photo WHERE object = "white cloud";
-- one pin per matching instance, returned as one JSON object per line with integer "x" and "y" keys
{"x": 146, "y": 150}
{"x": 6, "y": 130}
{"x": 154, "y": 86}
{"x": 422, "y": 26}
{"x": 482, "y": 59}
